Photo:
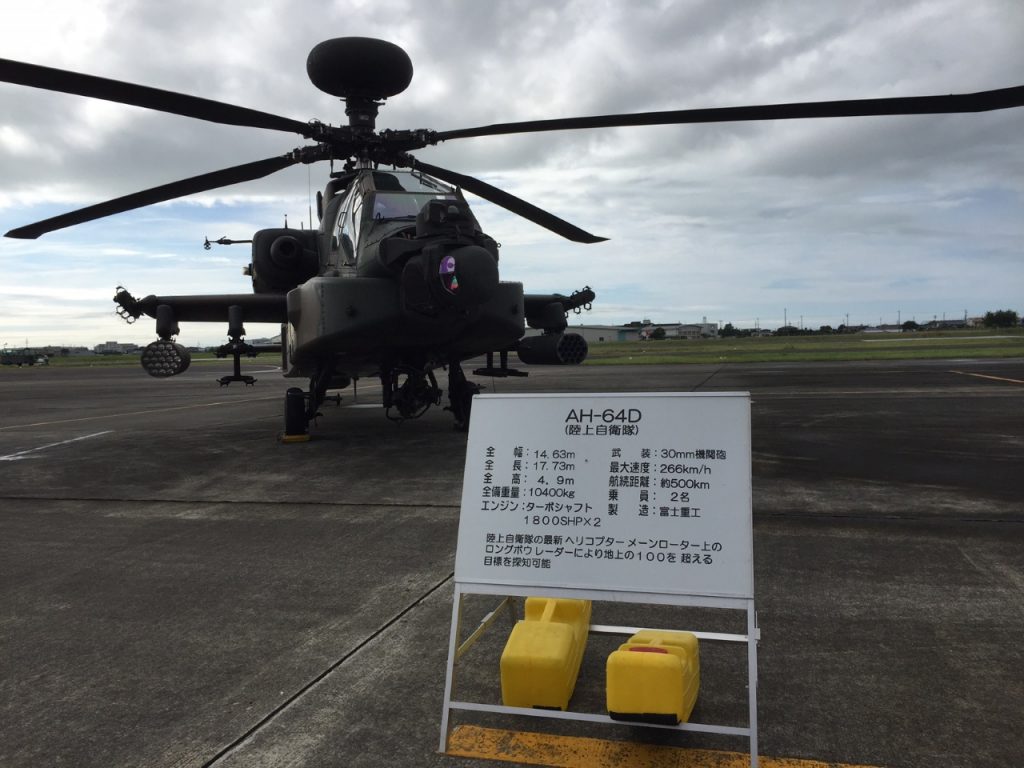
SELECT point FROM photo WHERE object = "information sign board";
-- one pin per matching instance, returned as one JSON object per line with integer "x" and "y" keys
{"x": 646, "y": 493}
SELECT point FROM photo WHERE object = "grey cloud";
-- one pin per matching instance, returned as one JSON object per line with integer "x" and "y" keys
{"x": 734, "y": 202}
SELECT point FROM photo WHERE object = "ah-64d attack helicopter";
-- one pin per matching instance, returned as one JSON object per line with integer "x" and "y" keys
{"x": 399, "y": 280}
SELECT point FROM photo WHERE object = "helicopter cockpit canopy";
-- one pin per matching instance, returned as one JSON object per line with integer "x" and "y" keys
{"x": 395, "y": 196}
{"x": 402, "y": 194}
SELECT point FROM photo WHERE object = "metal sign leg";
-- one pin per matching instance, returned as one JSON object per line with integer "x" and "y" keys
{"x": 450, "y": 674}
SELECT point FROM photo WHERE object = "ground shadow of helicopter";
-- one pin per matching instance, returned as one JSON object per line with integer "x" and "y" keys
{"x": 399, "y": 280}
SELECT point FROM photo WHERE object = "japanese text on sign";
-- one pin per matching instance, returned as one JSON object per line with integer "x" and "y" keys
{"x": 646, "y": 493}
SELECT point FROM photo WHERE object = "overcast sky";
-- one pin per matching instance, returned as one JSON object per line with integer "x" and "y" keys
{"x": 872, "y": 219}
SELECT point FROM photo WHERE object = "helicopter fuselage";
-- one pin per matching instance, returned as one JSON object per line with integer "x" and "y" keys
{"x": 397, "y": 281}
{"x": 404, "y": 276}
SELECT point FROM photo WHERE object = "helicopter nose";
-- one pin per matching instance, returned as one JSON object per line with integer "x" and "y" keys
{"x": 468, "y": 275}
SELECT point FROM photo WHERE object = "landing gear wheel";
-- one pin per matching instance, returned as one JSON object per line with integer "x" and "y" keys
{"x": 296, "y": 422}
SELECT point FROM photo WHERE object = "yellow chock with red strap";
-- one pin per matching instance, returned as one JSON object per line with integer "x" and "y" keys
{"x": 654, "y": 677}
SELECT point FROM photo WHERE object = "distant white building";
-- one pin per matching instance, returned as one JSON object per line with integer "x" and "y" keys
{"x": 682, "y": 330}
{"x": 946, "y": 325}
{"x": 884, "y": 328}
{"x": 115, "y": 348}
{"x": 639, "y": 331}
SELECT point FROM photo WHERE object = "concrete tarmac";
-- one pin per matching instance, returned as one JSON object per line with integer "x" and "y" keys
{"x": 177, "y": 588}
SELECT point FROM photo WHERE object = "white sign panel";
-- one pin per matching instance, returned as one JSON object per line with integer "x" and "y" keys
{"x": 622, "y": 492}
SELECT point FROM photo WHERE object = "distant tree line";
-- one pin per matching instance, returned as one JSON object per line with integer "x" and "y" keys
{"x": 790, "y": 330}
{"x": 1003, "y": 318}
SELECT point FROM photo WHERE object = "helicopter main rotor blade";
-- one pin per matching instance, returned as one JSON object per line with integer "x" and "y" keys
{"x": 62, "y": 80}
{"x": 207, "y": 181}
{"x": 982, "y": 101}
{"x": 511, "y": 203}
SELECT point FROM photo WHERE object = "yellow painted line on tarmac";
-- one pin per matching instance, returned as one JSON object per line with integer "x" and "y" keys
{"x": 988, "y": 376}
{"x": 579, "y": 752}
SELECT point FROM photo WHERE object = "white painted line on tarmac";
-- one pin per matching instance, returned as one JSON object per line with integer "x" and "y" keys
{"x": 986, "y": 376}
{"x": 775, "y": 458}
{"x": 25, "y": 454}
{"x": 371, "y": 388}
{"x": 140, "y": 413}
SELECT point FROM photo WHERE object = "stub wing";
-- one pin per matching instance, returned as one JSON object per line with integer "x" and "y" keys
{"x": 213, "y": 308}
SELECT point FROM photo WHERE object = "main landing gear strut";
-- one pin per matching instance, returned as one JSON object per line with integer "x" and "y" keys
{"x": 408, "y": 392}
{"x": 302, "y": 407}
{"x": 460, "y": 396}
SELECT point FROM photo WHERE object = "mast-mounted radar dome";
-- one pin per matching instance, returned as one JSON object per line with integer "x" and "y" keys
{"x": 359, "y": 68}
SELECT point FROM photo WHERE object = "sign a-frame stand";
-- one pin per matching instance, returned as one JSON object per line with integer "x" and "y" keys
{"x": 638, "y": 498}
